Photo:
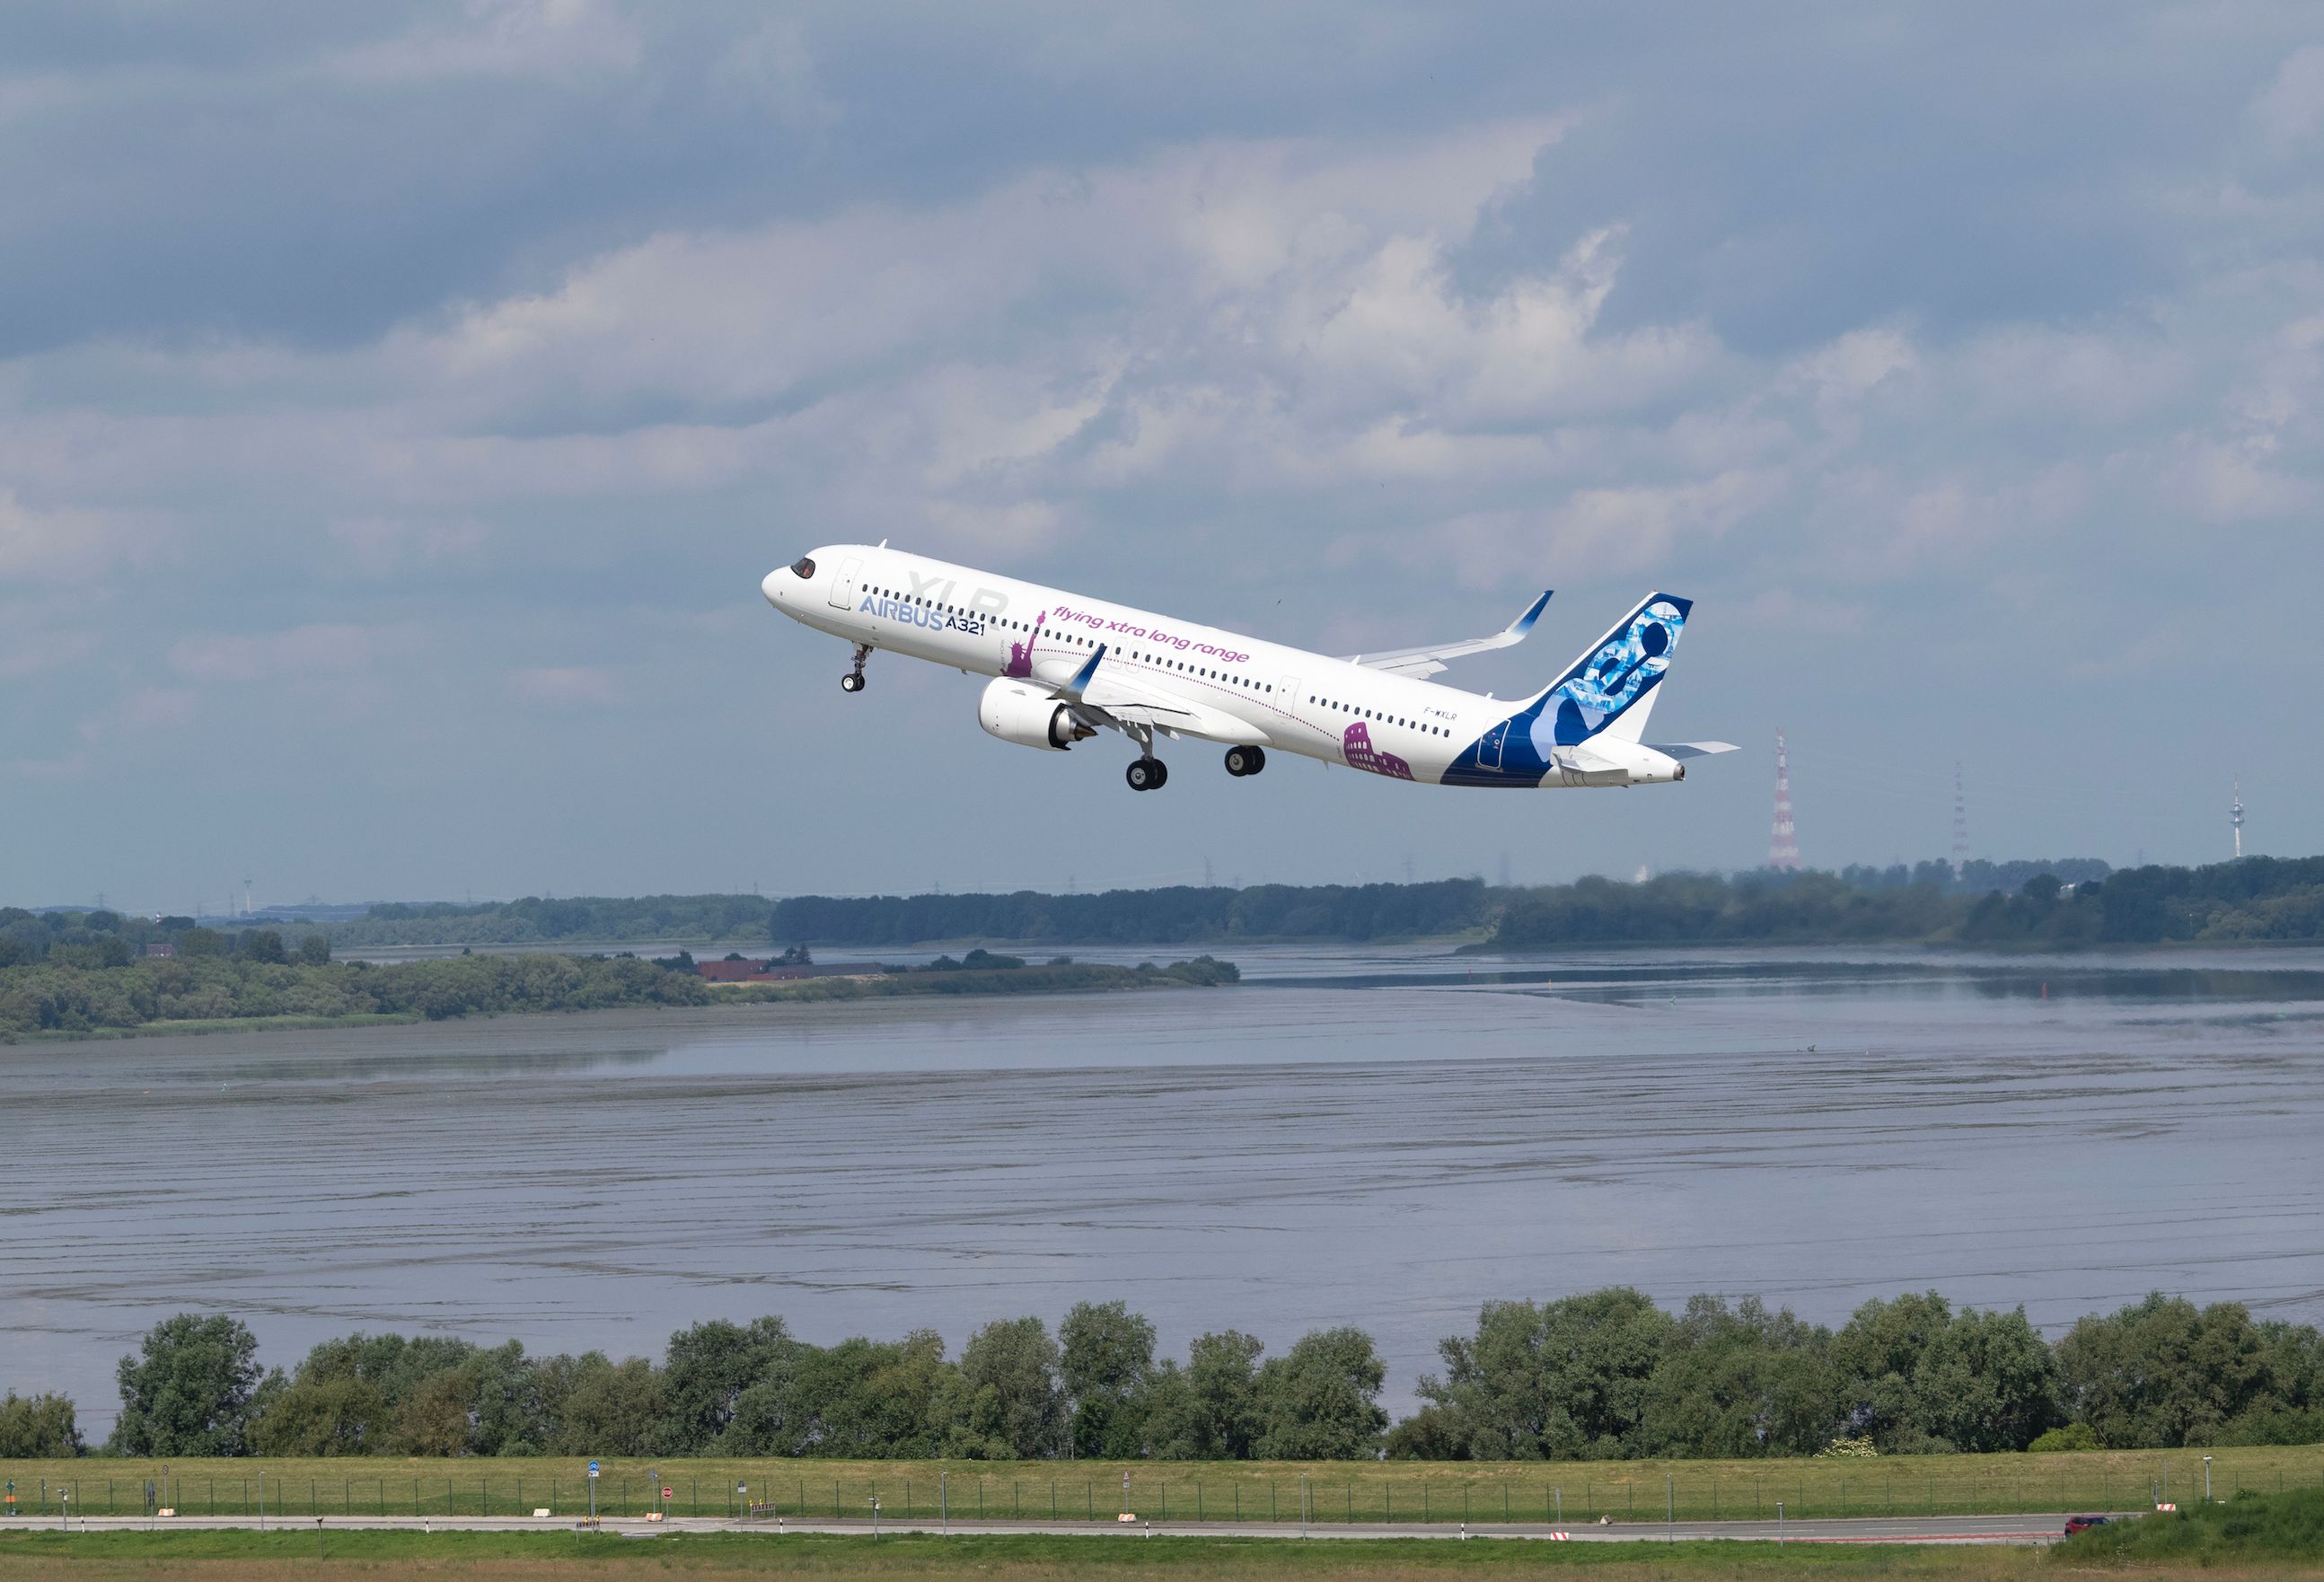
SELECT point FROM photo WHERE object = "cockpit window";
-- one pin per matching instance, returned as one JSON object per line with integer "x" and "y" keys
{"x": 803, "y": 567}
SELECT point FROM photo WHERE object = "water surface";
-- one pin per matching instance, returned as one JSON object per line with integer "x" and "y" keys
{"x": 1384, "y": 1138}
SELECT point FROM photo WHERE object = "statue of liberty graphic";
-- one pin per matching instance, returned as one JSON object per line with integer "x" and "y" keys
{"x": 1020, "y": 654}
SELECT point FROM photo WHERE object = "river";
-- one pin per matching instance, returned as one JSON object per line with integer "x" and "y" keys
{"x": 1384, "y": 1138}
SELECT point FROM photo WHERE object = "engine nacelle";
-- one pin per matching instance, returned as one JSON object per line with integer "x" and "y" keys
{"x": 1029, "y": 717}
{"x": 1608, "y": 761}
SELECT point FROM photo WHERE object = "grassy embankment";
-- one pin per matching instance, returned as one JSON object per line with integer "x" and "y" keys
{"x": 2250, "y": 1527}
{"x": 48, "y": 1556}
{"x": 1337, "y": 1491}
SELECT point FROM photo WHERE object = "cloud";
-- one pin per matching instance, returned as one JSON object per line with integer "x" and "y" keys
{"x": 497, "y": 38}
{"x": 301, "y": 653}
{"x": 68, "y": 545}
{"x": 427, "y": 341}
{"x": 382, "y": 548}
{"x": 566, "y": 687}
{"x": 2290, "y": 109}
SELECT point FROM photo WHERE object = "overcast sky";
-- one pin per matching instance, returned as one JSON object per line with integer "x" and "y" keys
{"x": 398, "y": 405}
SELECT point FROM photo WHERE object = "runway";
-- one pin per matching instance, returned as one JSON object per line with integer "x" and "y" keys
{"x": 1909, "y": 1529}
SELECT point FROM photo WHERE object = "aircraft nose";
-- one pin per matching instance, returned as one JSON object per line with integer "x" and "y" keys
{"x": 772, "y": 587}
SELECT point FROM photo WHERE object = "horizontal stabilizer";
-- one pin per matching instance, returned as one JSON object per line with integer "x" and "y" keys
{"x": 1428, "y": 661}
{"x": 1690, "y": 748}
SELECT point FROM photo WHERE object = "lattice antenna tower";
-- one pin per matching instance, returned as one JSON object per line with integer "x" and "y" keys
{"x": 1960, "y": 821}
{"x": 2236, "y": 815}
{"x": 1784, "y": 847}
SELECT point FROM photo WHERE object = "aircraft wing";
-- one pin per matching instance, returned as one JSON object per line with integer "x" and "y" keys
{"x": 1428, "y": 661}
{"x": 1114, "y": 698}
{"x": 1132, "y": 701}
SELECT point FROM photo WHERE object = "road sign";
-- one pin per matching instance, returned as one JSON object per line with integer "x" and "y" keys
{"x": 593, "y": 1469}
{"x": 669, "y": 1494}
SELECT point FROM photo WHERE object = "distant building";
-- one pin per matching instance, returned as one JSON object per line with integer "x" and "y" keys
{"x": 163, "y": 949}
{"x": 750, "y": 971}
{"x": 781, "y": 972}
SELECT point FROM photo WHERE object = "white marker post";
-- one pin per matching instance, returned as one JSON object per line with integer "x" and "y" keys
{"x": 593, "y": 1494}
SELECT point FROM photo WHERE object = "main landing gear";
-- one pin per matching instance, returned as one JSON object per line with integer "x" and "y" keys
{"x": 1148, "y": 774}
{"x": 854, "y": 680}
{"x": 1245, "y": 761}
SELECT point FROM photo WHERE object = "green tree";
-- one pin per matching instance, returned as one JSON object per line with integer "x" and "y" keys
{"x": 1320, "y": 1401}
{"x": 1107, "y": 1357}
{"x": 1010, "y": 1368}
{"x": 1918, "y": 1377}
{"x": 1209, "y": 1409}
{"x": 191, "y": 1393}
{"x": 611, "y": 1409}
{"x": 1739, "y": 1381}
{"x": 264, "y": 946}
{"x": 39, "y": 1428}
{"x": 2164, "y": 1373}
{"x": 860, "y": 1398}
{"x": 1562, "y": 1381}
{"x": 704, "y": 1373}
{"x": 315, "y": 950}
{"x": 338, "y": 1415}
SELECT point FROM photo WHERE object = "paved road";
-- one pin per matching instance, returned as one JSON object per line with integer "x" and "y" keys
{"x": 1925, "y": 1529}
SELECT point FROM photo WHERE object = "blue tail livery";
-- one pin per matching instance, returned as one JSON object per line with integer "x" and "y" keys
{"x": 1609, "y": 690}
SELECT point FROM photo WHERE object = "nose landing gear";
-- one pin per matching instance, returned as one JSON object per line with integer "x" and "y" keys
{"x": 1245, "y": 761}
{"x": 854, "y": 680}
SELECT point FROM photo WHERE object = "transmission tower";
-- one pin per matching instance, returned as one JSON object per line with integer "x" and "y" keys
{"x": 2236, "y": 815}
{"x": 1960, "y": 823}
{"x": 1784, "y": 847}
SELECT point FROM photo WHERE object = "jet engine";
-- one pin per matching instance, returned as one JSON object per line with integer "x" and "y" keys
{"x": 1029, "y": 717}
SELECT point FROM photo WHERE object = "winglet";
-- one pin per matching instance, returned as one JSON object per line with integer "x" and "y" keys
{"x": 1072, "y": 691}
{"x": 1524, "y": 623}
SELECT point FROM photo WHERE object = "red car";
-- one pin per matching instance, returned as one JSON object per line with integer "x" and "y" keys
{"x": 2084, "y": 1524}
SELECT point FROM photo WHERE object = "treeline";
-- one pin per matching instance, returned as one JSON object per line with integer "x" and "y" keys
{"x": 590, "y": 919}
{"x": 247, "y": 986}
{"x": 2063, "y": 903}
{"x": 261, "y": 979}
{"x": 1603, "y": 1376}
{"x": 1163, "y": 916}
{"x": 2258, "y": 898}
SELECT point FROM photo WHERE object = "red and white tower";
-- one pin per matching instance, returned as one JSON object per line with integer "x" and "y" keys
{"x": 2235, "y": 816}
{"x": 1783, "y": 850}
{"x": 1960, "y": 823}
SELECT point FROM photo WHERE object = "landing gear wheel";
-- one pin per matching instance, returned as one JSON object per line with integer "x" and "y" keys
{"x": 854, "y": 680}
{"x": 1148, "y": 774}
{"x": 1245, "y": 761}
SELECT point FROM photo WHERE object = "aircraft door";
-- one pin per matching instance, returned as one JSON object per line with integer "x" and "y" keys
{"x": 1286, "y": 697}
{"x": 842, "y": 588}
{"x": 1489, "y": 746}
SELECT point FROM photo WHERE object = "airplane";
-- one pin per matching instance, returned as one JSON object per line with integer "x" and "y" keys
{"x": 1065, "y": 667}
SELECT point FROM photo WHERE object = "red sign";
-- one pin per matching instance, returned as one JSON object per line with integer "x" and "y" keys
{"x": 670, "y": 1494}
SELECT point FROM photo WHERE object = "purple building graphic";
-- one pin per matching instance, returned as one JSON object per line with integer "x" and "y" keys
{"x": 1357, "y": 746}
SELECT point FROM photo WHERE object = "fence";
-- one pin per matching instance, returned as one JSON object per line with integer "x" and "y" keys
{"x": 1887, "y": 1487}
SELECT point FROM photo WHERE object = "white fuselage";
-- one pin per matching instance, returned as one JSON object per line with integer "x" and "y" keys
{"x": 1280, "y": 698}
{"x": 1161, "y": 677}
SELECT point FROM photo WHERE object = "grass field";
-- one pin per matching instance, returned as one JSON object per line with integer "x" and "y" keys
{"x": 393, "y": 1557}
{"x": 201, "y": 1557}
{"x": 1643, "y": 1491}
